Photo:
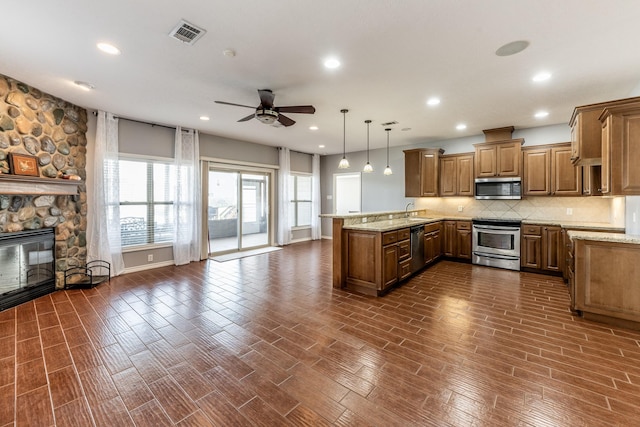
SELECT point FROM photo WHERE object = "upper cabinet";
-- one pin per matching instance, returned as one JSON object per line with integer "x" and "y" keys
{"x": 586, "y": 131}
{"x": 620, "y": 133}
{"x": 548, "y": 171}
{"x": 498, "y": 158}
{"x": 500, "y": 155}
{"x": 421, "y": 172}
{"x": 456, "y": 175}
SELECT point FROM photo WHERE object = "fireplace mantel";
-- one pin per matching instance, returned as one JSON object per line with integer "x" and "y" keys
{"x": 28, "y": 185}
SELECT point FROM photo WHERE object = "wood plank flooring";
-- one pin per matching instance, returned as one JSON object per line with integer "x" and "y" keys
{"x": 266, "y": 341}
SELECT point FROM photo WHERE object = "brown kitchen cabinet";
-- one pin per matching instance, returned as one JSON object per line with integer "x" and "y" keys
{"x": 494, "y": 159}
{"x": 432, "y": 242}
{"x": 591, "y": 180}
{"x": 421, "y": 172}
{"x": 548, "y": 171}
{"x": 457, "y": 239}
{"x": 620, "y": 135}
{"x": 375, "y": 261}
{"x": 456, "y": 175}
{"x": 605, "y": 276}
{"x": 542, "y": 248}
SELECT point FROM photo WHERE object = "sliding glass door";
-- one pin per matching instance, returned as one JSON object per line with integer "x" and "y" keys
{"x": 238, "y": 210}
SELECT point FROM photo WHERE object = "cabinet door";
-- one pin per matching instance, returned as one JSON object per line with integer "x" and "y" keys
{"x": 361, "y": 256}
{"x": 536, "y": 168}
{"x": 448, "y": 176}
{"x": 575, "y": 139}
{"x": 566, "y": 179}
{"x": 449, "y": 246}
{"x": 630, "y": 138}
{"x": 508, "y": 159}
{"x": 485, "y": 161}
{"x": 463, "y": 244}
{"x": 531, "y": 251}
{"x": 389, "y": 265}
{"x": 606, "y": 157}
{"x": 429, "y": 174}
{"x": 464, "y": 178}
{"x": 429, "y": 248}
{"x": 412, "y": 173}
{"x": 437, "y": 244}
{"x": 552, "y": 249}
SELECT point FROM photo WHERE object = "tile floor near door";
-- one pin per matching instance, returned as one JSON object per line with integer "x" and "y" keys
{"x": 267, "y": 341}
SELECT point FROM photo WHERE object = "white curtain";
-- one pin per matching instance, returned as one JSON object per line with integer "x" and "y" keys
{"x": 316, "y": 229}
{"x": 105, "y": 243}
{"x": 284, "y": 196}
{"x": 187, "y": 201}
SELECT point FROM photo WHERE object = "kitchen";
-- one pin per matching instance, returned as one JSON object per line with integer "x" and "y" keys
{"x": 266, "y": 340}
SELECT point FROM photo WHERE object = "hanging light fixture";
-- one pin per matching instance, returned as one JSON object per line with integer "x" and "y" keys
{"x": 367, "y": 168}
{"x": 387, "y": 170}
{"x": 344, "y": 163}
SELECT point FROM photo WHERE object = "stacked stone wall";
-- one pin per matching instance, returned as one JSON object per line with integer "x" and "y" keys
{"x": 54, "y": 131}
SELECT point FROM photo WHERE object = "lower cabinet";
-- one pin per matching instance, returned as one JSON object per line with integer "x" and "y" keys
{"x": 432, "y": 242}
{"x": 457, "y": 239}
{"x": 376, "y": 261}
{"x": 542, "y": 248}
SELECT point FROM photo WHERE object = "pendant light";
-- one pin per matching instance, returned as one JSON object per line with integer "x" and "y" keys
{"x": 387, "y": 170}
{"x": 367, "y": 168}
{"x": 344, "y": 163}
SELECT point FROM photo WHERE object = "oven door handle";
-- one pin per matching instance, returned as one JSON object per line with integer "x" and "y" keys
{"x": 496, "y": 228}
{"x": 496, "y": 256}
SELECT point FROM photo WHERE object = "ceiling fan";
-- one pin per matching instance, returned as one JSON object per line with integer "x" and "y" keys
{"x": 267, "y": 113}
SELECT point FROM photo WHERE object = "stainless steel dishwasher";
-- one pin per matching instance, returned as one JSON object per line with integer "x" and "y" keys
{"x": 417, "y": 248}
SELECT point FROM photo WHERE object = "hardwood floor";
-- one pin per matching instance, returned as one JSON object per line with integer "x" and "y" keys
{"x": 266, "y": 341}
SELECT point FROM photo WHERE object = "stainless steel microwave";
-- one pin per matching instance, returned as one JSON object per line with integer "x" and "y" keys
{"x": 508, "y": 188}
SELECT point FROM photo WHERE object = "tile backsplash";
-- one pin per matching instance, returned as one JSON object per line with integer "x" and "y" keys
{"x": 583, "y": 209}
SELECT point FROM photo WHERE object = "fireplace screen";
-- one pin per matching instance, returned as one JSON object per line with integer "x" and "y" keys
{"x": 26, "y": 261}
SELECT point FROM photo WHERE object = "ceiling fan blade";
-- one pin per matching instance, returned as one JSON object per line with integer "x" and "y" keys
{"x": 249, "y": 117}
{"x": 231, "y": 103}
{"x": 266, "y": 98}
{"x": 301, "y": 109}
{"x": 286, "y": 121}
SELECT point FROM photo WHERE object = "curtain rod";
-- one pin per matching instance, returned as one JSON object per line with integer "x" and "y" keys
{"x": 95, "y": 113}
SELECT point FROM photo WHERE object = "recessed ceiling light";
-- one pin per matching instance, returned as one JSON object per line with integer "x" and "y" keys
{"x": 461, "y": 126}
{"x": 321, "y": 146}
{"x": 205, "y": 118}
{"x": 405, "y": 129}
{"x": 84, "y": 85}
{"x": 229, "y": 53}
{"x": 540, "y": 77}
{"x": 331, "y": 63}
{"x": 313, "y": 127}
{"x": 512, "y": 48}
{"x": 433, "y": 101}
{"x": 108, "y": 48}
{"x": 541, "y": 114}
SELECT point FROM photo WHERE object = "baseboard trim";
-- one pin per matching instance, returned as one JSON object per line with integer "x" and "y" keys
{"x": 144, "y": 267}
{"x": 327, "y": 237}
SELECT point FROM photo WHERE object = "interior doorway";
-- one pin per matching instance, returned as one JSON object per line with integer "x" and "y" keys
{"x": 347, "y": 193}
{"x": 238, "y": 209}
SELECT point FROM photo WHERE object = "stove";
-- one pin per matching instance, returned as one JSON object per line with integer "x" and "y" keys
{"x": 496, "y": 242}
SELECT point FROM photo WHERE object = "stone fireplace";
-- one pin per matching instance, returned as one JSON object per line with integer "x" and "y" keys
{"x": 33, "y": 123}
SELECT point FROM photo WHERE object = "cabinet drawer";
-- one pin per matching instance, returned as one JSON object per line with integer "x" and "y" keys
{"x": 463, "y": 225}
{"x": 432, "y": 227}
{"x": 404, "y": 234}
{"x": 404, "y": 269}
{"x": 404, "y": 249}
{"x": 389, "y": 237}
{"x": 535, "y": 230}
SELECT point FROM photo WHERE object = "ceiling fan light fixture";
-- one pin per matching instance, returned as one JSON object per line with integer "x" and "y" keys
{"x": 344, "y": 163}
{"x": 266, "y": 116}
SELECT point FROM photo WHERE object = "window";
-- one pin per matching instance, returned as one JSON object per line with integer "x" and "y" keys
{"x": 146, "y": 208}
{"x": 300, "y": 208}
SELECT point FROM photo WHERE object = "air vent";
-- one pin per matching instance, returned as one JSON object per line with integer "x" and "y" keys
{"x": 389, "y": 123}
{"x": 186, "y": 32}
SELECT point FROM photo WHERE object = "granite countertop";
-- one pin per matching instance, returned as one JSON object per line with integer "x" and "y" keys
{"x": 576, "y": 225}
{"x": 604, "y": 237}
{"x": 391, "y": 224}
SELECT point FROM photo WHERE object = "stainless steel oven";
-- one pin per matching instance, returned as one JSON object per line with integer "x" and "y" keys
{"x": 496, "y": 243}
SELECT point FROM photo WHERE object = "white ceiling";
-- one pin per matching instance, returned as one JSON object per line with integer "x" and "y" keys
{"x": 394, "y": 54}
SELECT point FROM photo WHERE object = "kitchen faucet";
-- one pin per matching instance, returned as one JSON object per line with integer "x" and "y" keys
{"x": 406, "y": 209}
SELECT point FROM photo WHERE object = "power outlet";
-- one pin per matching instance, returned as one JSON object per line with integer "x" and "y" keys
{"x": 364, "y": 219}
{"x": 390, "y": 216}
{"x": 569, "y": 211}
{"x": 460, "y": 208}
{"x": 150, "y": 258}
